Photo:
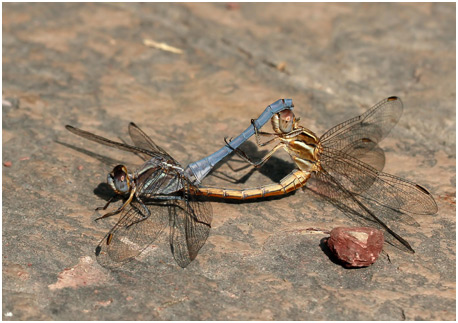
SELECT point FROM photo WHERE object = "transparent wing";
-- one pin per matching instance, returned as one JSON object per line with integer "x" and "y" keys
{"x": 387, "y": 190}
{"x": 111, "y": 143}
{"x": 135, "y": 231}
{"x": 142, "y": 140}
{"x": 190, "y": 223}
{"x": 371, "y": 126}
{"x": 366, "y": 151}
{"x": 366, "y": 214}
{"x": 371, "y": 197}
{"x": 155, "y": 179}
{"x": 189, "y": 220}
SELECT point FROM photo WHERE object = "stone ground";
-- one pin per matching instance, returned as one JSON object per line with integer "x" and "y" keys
{"x": 89, "y": 65}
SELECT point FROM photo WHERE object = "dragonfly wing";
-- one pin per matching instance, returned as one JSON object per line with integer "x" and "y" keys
{"x": 373, "y": 125}
{"x": 403, "y": 195}
{"x": 366, "y": 213}
{"x": 135, "y": 231}
{"x": 354, "y": 175}
{"x": 385, "y": 189}
{"x": 111, "y": 143}
{"x": 142, "y": 140}
{"x": 157, "y": 180}
{"x": 190, "y": 223}
{"x": 177, "y": 235}
{"x": 367, "y": 152}
{"x": 198, "y": 224}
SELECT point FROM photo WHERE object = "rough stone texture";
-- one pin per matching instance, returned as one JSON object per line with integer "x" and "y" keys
{"x": 87, "y": 65}
{"x": 356, "y": 246}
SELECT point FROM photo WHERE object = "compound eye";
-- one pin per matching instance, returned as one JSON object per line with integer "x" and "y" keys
{"x": 286, "y": 121}
{"x": 119, "y": 180}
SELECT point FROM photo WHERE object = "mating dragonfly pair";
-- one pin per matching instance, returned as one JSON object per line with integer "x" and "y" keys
{"x": 345, "y": 162}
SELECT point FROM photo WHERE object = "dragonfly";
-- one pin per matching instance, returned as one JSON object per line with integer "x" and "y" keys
{"x": 345, "y": 165}
{"x": 160, "y": 193}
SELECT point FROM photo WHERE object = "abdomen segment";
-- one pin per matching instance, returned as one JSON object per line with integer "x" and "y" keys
{"x": 296, "y": 179}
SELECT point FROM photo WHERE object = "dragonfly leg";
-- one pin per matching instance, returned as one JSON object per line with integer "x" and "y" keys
{"x": 142, "y": 216}
{"x": 238, "y": 151}
{"x": 261, "y": 133}
{"x": 120, "y": 208}
{"x": 108, "y": 203}
{"x": 136, "y": 222}
{"x": 147, "y": 212}
{"x": 106, "y": 215}
{"x": 259, "y": 163}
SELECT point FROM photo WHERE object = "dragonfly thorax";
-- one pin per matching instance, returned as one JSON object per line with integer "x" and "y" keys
{"x": 304, "y": 147}
{"x": 119, "y": 180}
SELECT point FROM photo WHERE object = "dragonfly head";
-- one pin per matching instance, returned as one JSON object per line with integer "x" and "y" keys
{"x": 119, "y": 180}
{"x": 284, "y": 121}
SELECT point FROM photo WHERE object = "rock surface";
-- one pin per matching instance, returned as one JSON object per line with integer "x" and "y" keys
{"x": 189, "y": 75}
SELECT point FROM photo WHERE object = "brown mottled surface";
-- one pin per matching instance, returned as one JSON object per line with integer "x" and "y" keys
{"x": 87, "y": 65}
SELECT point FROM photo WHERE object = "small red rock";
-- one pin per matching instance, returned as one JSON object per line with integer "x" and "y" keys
{"x": 7, "y": 164}
{"x": 232, "y": 6}
{"x": 80, "y": 167}
{"x": 356, "y": 247}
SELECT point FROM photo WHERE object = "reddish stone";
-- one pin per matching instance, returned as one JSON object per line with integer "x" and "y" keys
{"x": 7, "y": 164}
{"x": 356, "y": 247}
{"x": 232, "y": 6}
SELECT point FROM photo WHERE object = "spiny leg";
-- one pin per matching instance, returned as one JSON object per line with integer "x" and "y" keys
{"x": 108, "y": 203}
{"x": 259, "y": 163}
{"x": 132, "y": 193}
{"x": 262, "y": 133}
{"x": 142, "y": 215}
{"x": 106, "y": 215}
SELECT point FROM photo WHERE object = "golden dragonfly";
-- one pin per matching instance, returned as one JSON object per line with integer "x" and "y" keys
{"x": 346, "y": 164}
